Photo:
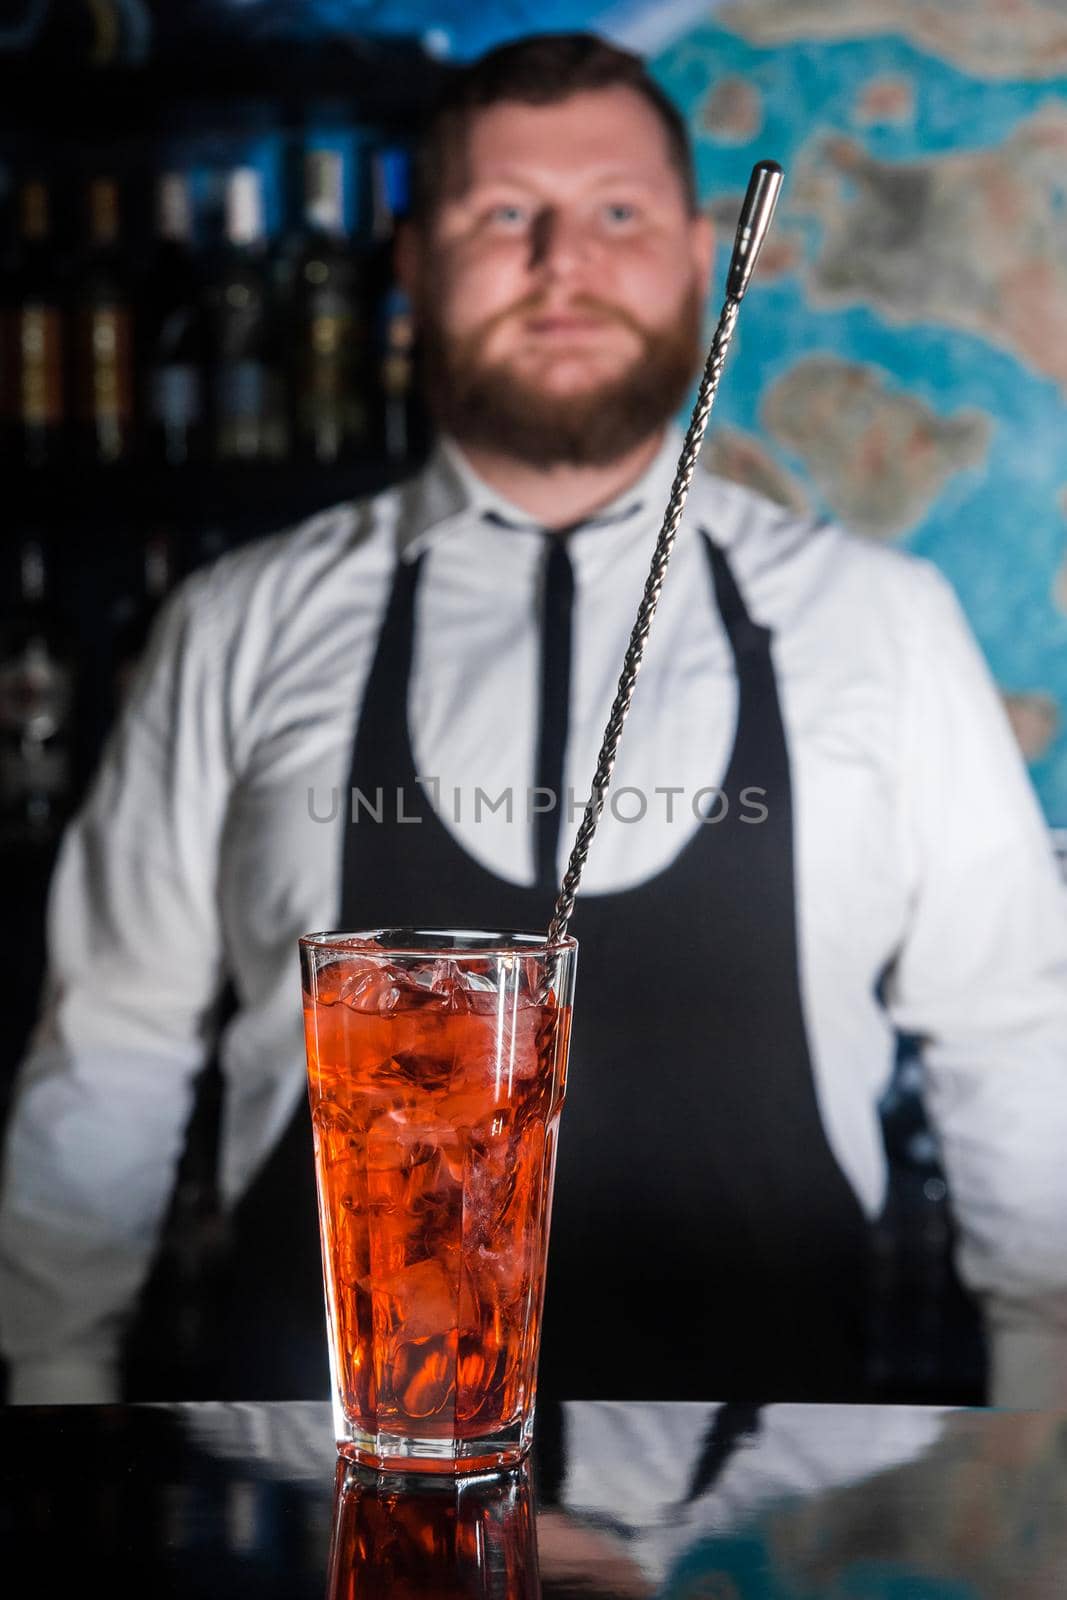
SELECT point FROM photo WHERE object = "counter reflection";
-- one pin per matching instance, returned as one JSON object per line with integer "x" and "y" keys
{"x": 399, "y": 1537}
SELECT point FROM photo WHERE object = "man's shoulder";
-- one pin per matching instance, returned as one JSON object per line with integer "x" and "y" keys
{"x": 797, "y": 560}
{"x": 352, "y": 528}
{"x": 275, "y": 575}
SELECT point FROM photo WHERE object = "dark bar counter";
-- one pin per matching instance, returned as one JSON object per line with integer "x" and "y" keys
{"x": 682, "y": 1501}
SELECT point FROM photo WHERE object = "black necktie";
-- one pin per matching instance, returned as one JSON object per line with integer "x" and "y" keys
{"x": 556, "y": 646}
{"x": 734, "y": 1421}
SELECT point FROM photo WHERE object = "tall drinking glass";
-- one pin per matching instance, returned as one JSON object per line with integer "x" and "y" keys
{"x": 437, "y": 1067}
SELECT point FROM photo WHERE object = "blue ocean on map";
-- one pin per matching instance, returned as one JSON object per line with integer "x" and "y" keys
{"x": 998, "y": 531}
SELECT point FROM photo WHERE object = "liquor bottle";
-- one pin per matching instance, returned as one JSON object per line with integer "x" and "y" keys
{"x": 247, "y": 394}
{"x": 103, "y": 336}
{"x": 36, "y": 701}
{"x": 35, "y": 386}
{"x": 172, "y": 341}
{"x": 329, "y": 358}
{"x": 70, "y": 35}
{"x": 134, "y": 615}
{"x": 394, "y": 316}
{"x": 397, "y": 374}
{"x": 8, "y": 279}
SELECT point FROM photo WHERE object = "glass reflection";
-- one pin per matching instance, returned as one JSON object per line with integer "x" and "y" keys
{"x": 793, "y": 1502}
{"x": 407, "y": 1538}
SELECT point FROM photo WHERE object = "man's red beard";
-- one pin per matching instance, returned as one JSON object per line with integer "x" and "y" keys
{"x": 488, "y": 405}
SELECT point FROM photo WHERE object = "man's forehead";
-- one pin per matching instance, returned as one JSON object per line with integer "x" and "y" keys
{"x": 592, "y": 136}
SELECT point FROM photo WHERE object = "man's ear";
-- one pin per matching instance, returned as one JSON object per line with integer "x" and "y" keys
{"x": 407, "y": 259}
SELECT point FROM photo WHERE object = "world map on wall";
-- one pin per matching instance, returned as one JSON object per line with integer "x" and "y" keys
{"x": 901, "y": 364}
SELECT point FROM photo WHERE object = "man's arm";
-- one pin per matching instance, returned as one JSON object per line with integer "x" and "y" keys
{"x": 104, "y": 1095}
{"x": 982, "y": 978}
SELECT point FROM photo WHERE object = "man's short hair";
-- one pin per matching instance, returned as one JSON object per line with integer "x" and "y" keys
{"x": 540, "y": 70}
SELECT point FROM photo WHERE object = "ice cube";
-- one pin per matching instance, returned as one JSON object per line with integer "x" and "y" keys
{"x": 479, "y": 982}
{"x": 442, "y": 985}
{"x": 377, "y": 988}
{"x": 420, "y": 1301}
{"x": 399, "y": 1138}
{"x": 424, "y": 1375}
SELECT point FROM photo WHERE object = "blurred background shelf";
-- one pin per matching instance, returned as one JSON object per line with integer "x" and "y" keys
{"x": 247, "y": 499}
{"x": 201, "y": 342}
{"x": 384, "y": 81}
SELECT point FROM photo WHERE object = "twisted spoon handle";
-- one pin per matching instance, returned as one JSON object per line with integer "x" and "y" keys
{"x": 752, "y": 226}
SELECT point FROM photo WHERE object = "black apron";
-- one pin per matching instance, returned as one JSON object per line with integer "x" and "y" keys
{"x": 705, "y": 1243}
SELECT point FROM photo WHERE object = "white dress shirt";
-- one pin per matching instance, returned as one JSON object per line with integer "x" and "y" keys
{"x": 635, "y": 1461}
{"x": 212, "y": 838}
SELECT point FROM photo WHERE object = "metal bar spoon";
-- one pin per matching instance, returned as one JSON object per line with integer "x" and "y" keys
{"x": 756, "y": 212}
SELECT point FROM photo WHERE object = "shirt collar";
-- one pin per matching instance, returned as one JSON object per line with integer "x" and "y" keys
{"x": 448, "y": 494}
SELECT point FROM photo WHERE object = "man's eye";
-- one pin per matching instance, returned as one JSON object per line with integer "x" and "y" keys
{"x": 507, "y": 215}
{"x": 619, "y": 212}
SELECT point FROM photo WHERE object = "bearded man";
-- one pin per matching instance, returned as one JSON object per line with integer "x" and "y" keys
{"x": 819, "y": 831}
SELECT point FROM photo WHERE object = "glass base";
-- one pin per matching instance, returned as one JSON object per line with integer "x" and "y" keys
{"x": 444, "y": 1456}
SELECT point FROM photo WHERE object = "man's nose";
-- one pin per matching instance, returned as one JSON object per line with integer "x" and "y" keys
{"x": 559, "y": 243}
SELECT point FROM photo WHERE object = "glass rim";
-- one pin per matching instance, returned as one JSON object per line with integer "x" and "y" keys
{"x": 471, "y": 942}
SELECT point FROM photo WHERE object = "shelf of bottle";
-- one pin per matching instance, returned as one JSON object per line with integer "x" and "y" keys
{"x": 252, "y": 495}
{"x": 386, "y": 82}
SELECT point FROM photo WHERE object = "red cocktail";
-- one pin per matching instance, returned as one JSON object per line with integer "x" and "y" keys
{"x": 436, "y": 1068}
{"x": 449, "y": 1541}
